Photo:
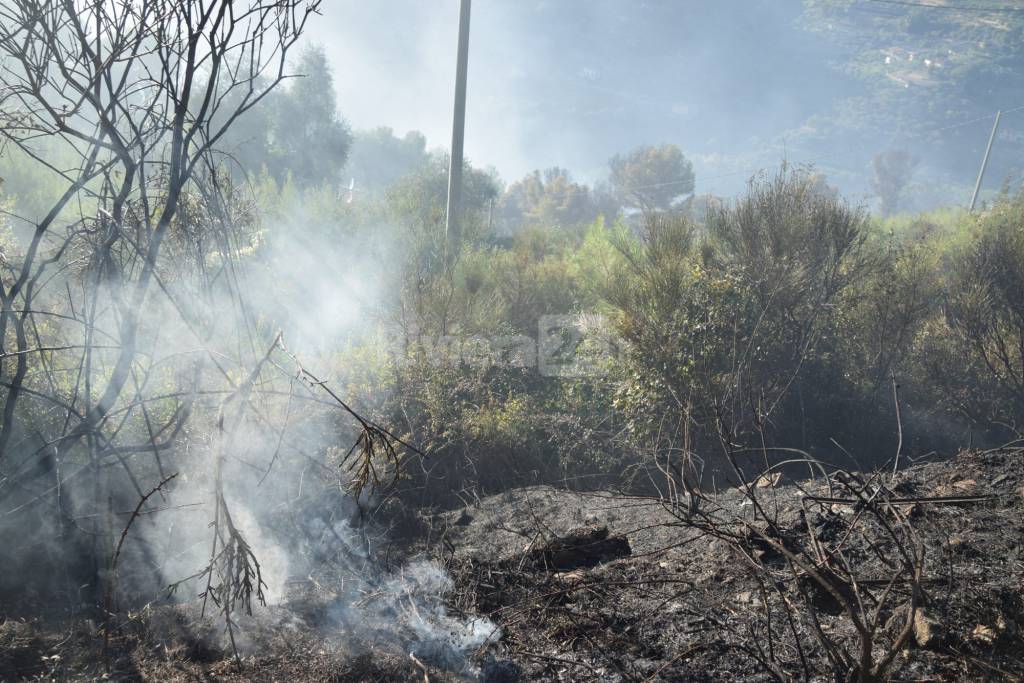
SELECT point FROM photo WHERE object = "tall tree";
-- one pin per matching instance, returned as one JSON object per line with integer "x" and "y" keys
{"x": 892, "y": 172}
{"x": 651, "y": 178}
{"x": 309, "y": 139}
{"x": 550, "y": 198}
{"x": 379, "y": 157}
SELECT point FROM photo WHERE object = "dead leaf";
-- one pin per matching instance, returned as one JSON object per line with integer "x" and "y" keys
{"x": 984, "y": 634}
{"x": 926, "y": 629}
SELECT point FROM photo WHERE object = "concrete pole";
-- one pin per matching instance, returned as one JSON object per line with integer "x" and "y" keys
{"x": 984, "y": 161}
{"x": 452, "y": 230}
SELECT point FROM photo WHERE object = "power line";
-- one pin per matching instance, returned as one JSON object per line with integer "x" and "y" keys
{"x": 954, "y": 8}
{"x": 987, "y": 117}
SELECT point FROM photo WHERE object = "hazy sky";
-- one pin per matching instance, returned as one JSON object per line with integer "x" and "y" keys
{"x": 571, "y": 82}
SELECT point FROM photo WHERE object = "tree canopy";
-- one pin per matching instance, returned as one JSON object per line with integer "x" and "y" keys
{"x": 379, "y": 158}
{"x": 651, "y": 178}
{"x": 551, "y": 198}
{"x": 299, "y": 131}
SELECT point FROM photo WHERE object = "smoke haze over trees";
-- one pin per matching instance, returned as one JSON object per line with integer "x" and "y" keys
{"x": 736, "y": 85}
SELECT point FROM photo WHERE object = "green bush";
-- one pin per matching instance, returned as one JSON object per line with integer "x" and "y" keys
{"x": 782, "y": 320}
{"x": 735, "y": 334}
{"x": 985, "y": 309}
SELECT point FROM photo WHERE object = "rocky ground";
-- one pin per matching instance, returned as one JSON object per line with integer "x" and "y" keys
{"x": 605, "y": 587}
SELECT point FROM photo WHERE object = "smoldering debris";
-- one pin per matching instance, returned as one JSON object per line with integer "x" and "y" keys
{"x": 400, "y": 616}
{"x": 408, "y": 608}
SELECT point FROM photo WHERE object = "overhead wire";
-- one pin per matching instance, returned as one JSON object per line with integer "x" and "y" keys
{"x": 987, "y": 117}
{"x": 950, "y": 7}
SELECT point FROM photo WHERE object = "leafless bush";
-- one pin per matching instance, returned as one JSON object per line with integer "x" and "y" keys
{"x": 852, "y": 553}
{"x": 124, "y": 104}
{"x": 126, "y": 329}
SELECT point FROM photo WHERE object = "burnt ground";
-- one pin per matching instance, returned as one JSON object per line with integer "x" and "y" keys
{"x": 605, "y": 587}
{"x": 683, "y": 606}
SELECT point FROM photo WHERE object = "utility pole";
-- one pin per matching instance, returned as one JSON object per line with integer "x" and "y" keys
{"x": 451, "y": 229}
{"x": 984, "y": 161}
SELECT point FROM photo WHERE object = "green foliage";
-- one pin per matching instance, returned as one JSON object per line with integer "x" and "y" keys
{"x": 551, "y": 199}
{"x": 892, "y": 172}
{"x": 418, "y": 202}
{"x": 720, "y": 329}
{"x": 379, "y": 159}
{"x": 33, "y": 186}
{"x": 596, "y": 261}
{"x": 795, "y": 249}
{"x": 679, "y": 318}
{"x": 883, "y": 315}
{"x": 309, "y": 138}
{"x": 985, "y": 308}
{"x": 489, "y": 428}
{"x": 533, "y": 279}
{"x": 938, "y": 228}
{"x": 298, "y": 132}
{"x": 785, "y": 317}
{"x": 651, "y": 178}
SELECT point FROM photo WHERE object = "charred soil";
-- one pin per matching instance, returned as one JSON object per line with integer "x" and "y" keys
{"x": 599, "y": 586}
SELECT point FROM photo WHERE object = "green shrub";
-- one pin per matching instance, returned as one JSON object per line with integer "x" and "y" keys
{"x": 985, "y": 307}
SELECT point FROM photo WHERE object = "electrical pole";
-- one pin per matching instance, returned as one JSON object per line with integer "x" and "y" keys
{"x": 451, "y": 229}
{"x": 984, "y": 161}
